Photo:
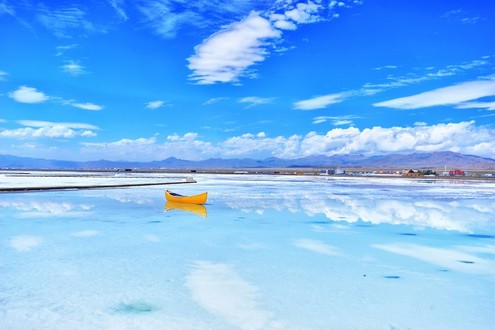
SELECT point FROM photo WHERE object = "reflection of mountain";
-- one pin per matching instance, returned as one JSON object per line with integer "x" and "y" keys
{"x": 463, "y": 216}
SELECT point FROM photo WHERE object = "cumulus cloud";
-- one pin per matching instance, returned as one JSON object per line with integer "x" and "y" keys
{"x": 320, "y": 102}
{"x": 451, "y": 95}
{"x": 57, "y": 131}
{"x": 25, "y": 94}
{"x": 187, "y": 146}
{"x": 227, "y": 54}
{"x": 463, "y": 137}
{"x": 44, "y": 129}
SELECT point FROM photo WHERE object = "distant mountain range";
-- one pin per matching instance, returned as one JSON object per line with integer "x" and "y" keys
{"x": 396, "y": 161}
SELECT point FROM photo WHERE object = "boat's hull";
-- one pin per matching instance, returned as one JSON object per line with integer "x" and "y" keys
{"x": 194, "y": 199}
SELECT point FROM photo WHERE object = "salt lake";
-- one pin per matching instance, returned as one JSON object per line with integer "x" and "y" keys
{"x": 266, "y": 252}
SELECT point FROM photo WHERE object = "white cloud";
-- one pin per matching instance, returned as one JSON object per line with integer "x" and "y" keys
{"x": 43, "y": 129}
{"x": 73, "y": 68}
{"x": 155, "y": 104}
{"x": 57, "y": 131}
{"x": 463, "y": 137}
{"x": 64, "y": 21}
{"x": 226, "y": 55}
{"x": 254, "y": 100}
{"x": 231, "y": 53}
{"x": 161, "y": 17}
{"x": 2, "y": 75}
{"x": 451, "y": 95}
{"x": 304, "y": 13}
{"x": 117, "y": 5}
{"x": 215, "y": 100}
{"x": 320, "y": 102}
{"x": 39, "y": 123}
{"x": 336, "y": 120}
{"x": 87, "y": 106}
{"x": 62, "y": 49}
{"x": 25, "y": 94}
{"x": 477, "y": 105}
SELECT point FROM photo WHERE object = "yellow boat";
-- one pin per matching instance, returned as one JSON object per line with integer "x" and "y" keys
{"x": 193, "y": 208}
{"x": 194, "y": 199}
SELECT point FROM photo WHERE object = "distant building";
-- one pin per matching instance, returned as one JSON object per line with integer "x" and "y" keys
{"x": 411, "y": 173}
{"x": 457, "y": 173}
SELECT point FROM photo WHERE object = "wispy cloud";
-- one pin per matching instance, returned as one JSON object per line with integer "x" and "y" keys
{"x": 155, "y": 104}
{"x": 118, "y": 6}
{"x": 39, "y": 123}
{"x": 367, "y": 89}
{"x": 215, "y": 100}
{"x": 3, "y": 74}
{"x": 87, "y": 106}
{"x": 62, "y": 49}
{"x": 25, "y": 94}
{"x": 73, "y": 68}
{"x": 462, "y": 17}
{"x": 451, "y": 95}
{"x": 255, "y": 100}
{"x": 320, "y": 102}
{"x": 385, "y": 67}
{"x": 64, "y": 21}
{"x": 477, "y": 105}
{"x": 166, "y": 17}
{"x": 336, "y": 120}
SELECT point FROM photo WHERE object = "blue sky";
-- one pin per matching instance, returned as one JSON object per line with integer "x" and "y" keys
{"x": 151, "y": 79}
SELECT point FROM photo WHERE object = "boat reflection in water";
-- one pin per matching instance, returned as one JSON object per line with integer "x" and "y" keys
{"x": 192, "y": 208}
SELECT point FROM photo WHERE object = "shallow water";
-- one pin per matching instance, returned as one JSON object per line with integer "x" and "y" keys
{"x": 271, "y": 253}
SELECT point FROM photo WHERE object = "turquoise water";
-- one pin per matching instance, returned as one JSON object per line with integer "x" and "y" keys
{"x": 271, "y": 253}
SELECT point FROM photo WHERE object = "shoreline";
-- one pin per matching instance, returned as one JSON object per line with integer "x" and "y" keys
{"x": 92, "y": 173}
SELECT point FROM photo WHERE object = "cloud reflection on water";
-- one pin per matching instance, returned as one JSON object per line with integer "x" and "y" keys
{"x": 420, "y": 212}
{"x": 39, "y": 208}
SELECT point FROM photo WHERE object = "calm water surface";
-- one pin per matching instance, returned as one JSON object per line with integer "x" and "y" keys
{"x": 265, "y": 253}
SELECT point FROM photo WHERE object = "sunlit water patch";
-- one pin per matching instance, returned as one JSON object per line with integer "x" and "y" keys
{"x": 266, "y": 253}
